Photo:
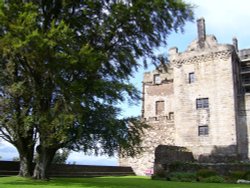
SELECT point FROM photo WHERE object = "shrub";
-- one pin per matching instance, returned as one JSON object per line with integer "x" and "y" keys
{"x": 156, "y": 177}
{"x": 182, "y": 176}
{"x": 235, "y": 175}
{"x": 176, "y": 165}
{"x": 213, "y": 179}
{"x": 246, "y": 176}
{"x": 205, "y": 173}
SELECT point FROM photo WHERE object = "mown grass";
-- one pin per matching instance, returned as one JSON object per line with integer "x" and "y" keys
{"x": 106, "y": 182}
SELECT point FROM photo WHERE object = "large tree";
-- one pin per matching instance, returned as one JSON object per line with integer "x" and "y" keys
{"x": 16, "y": 101}
{"x": 67, "y": 66}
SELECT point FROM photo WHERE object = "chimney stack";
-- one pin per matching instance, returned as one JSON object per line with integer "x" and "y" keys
{"x": 201, "y": 32}
{"x": 235, "y": 44}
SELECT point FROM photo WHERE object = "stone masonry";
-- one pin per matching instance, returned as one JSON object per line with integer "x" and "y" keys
{"x": 200, "y": 100}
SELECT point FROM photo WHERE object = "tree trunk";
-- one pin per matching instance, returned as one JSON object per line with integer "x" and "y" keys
{"x": 25, "y": 169}
{"x": 45, "y": 157}
{"x": 26, "y": 155}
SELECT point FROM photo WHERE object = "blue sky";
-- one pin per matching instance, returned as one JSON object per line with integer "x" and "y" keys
{"x": 224, "y": 18}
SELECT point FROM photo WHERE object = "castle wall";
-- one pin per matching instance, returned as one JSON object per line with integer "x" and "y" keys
{"x": 244, "y": 125}
{"x": 155, "y": 93}
{"x": 247, "y": 130}
{"x": 243, "y": 128}
{"x": 160, "y": 132}
{"x": 162, "y": 129}
{"x": 201, "y": 102}
{"x": 214, "y": 81}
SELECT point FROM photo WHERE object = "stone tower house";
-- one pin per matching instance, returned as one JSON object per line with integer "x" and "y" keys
{"x": 200, "y": 100}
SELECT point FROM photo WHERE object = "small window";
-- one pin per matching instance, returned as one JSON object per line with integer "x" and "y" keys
{"x": 191, "y": 77}
{"x": 203, "y": 130}
{"x": 202, "y": 103}
{"x": 157, "y": 79}
{"x": 171, "y": 115}
{"x": 159, "y": 107}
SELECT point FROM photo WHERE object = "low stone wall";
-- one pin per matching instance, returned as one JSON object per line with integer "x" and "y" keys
{"x": 160, "y": 132}
{"x": 10, "y": 168}
{"x": 88, "y": 170}
{"x": 220, "y": 168}
{"x": 179, "y": 159}
{"x": 166, "y": 155}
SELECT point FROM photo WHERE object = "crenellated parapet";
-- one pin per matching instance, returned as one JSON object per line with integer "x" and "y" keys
{"x": 199, "y": 58}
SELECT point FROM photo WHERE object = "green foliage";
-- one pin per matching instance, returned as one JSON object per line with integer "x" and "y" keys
{"x": 205, "y": 173}
{"x": 246, "y": 175}
{"x": 66, "y": 67}
{"x": 235, "y": 175}
{"x": 213, "y": 179}
{"x": 158, "y": 177}
{"x": 182, "y": 176}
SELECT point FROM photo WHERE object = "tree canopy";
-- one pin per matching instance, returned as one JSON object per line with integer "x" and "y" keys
{"x": 65, "y": 65}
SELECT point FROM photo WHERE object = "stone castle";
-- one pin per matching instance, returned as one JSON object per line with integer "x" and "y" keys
{"x": 199, "y": 100}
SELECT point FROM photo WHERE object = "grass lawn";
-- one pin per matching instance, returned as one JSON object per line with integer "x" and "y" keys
{"x": 106, "y": 182}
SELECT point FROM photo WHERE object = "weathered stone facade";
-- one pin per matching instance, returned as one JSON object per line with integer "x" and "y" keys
{"x": 200, "y": 101}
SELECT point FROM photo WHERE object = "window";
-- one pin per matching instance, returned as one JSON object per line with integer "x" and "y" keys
{"x": 191, "y": 77}
{"x": 171, "y": 115}
{"x": 157, "y": 79}
{"x": 203, "y": 130}
{"x": 159, "y": 107}
{"x": 202, "y": 103}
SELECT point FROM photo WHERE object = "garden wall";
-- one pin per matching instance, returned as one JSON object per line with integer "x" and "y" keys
{"x": 170, "y": 159}
{"x": 221, "y": 168}
{"x": 10, "y": 168}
